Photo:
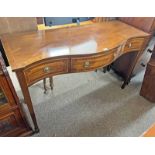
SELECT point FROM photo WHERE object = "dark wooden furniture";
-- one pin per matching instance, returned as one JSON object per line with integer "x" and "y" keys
{"x": 147, "y": 24}
{"x": 12, "y": 118}
{"x": 38, "y": 55}
{"x": 148, "y": 86}
{"x": 40, "y": 20}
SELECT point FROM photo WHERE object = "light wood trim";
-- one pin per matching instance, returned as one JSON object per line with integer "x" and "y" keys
{"x": 43, "y": 27}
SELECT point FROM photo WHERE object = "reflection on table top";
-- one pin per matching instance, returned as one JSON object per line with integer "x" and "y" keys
{"x": 23, "y": 49}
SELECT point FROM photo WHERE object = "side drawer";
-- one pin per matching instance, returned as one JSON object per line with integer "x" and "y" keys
{"x": 134, "y": 44}
{"x": 44, "y": 69}
{"x": 87, "y": 63}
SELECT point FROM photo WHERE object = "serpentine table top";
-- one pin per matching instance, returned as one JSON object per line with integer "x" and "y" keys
{"x": 23, "y": 49}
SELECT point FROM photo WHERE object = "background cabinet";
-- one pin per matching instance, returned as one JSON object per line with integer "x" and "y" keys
{"x": 12, "y": 118}
{"x": 148, "y": 86}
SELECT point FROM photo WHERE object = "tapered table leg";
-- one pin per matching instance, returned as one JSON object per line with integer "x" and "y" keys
{"x": 27, "y": 98}
{"x": 51, "y": 82}
{"x": 132, "y": 66}
{"x": 45, "y": 87}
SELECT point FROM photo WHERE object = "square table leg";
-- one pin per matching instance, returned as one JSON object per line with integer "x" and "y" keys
{"x": 27, "y": 98}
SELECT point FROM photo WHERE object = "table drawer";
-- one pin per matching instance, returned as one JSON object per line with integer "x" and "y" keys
{"x": 134, "y": 44}
{"x": 87, "y": 63}
{"x": 45, "y": 69}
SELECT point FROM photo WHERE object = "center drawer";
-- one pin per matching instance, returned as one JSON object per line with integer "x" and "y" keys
{"x": 134, "y": 44}
{"x": 45, "y": 69}
{"x": 87, "y": 63}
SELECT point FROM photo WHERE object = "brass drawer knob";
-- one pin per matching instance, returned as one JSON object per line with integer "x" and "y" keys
{"x": 130, "y": 45}
{"x": 105, "y": 49}
{"x": 86, "y": 64}
{"x": 47, "y": 69}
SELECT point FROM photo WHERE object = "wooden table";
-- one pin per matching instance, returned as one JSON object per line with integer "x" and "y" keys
{"x": 41, "y": 54}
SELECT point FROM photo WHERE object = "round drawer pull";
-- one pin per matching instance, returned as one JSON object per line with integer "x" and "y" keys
{"x": 130, "y": 45}
{"x": 47, "y": 69}
{"x": 86, "y": 64}
{"x": 105, "y": 49}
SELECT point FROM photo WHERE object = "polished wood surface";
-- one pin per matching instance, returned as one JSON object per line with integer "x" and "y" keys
{"x": 41, "y": 54}
{"x": 148, "y": 86}
{"x": 23, "y": 49}
{"x": 12, "y": 118}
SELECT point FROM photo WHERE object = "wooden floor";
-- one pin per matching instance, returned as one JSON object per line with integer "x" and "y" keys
{"x": 150, "y": 132}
